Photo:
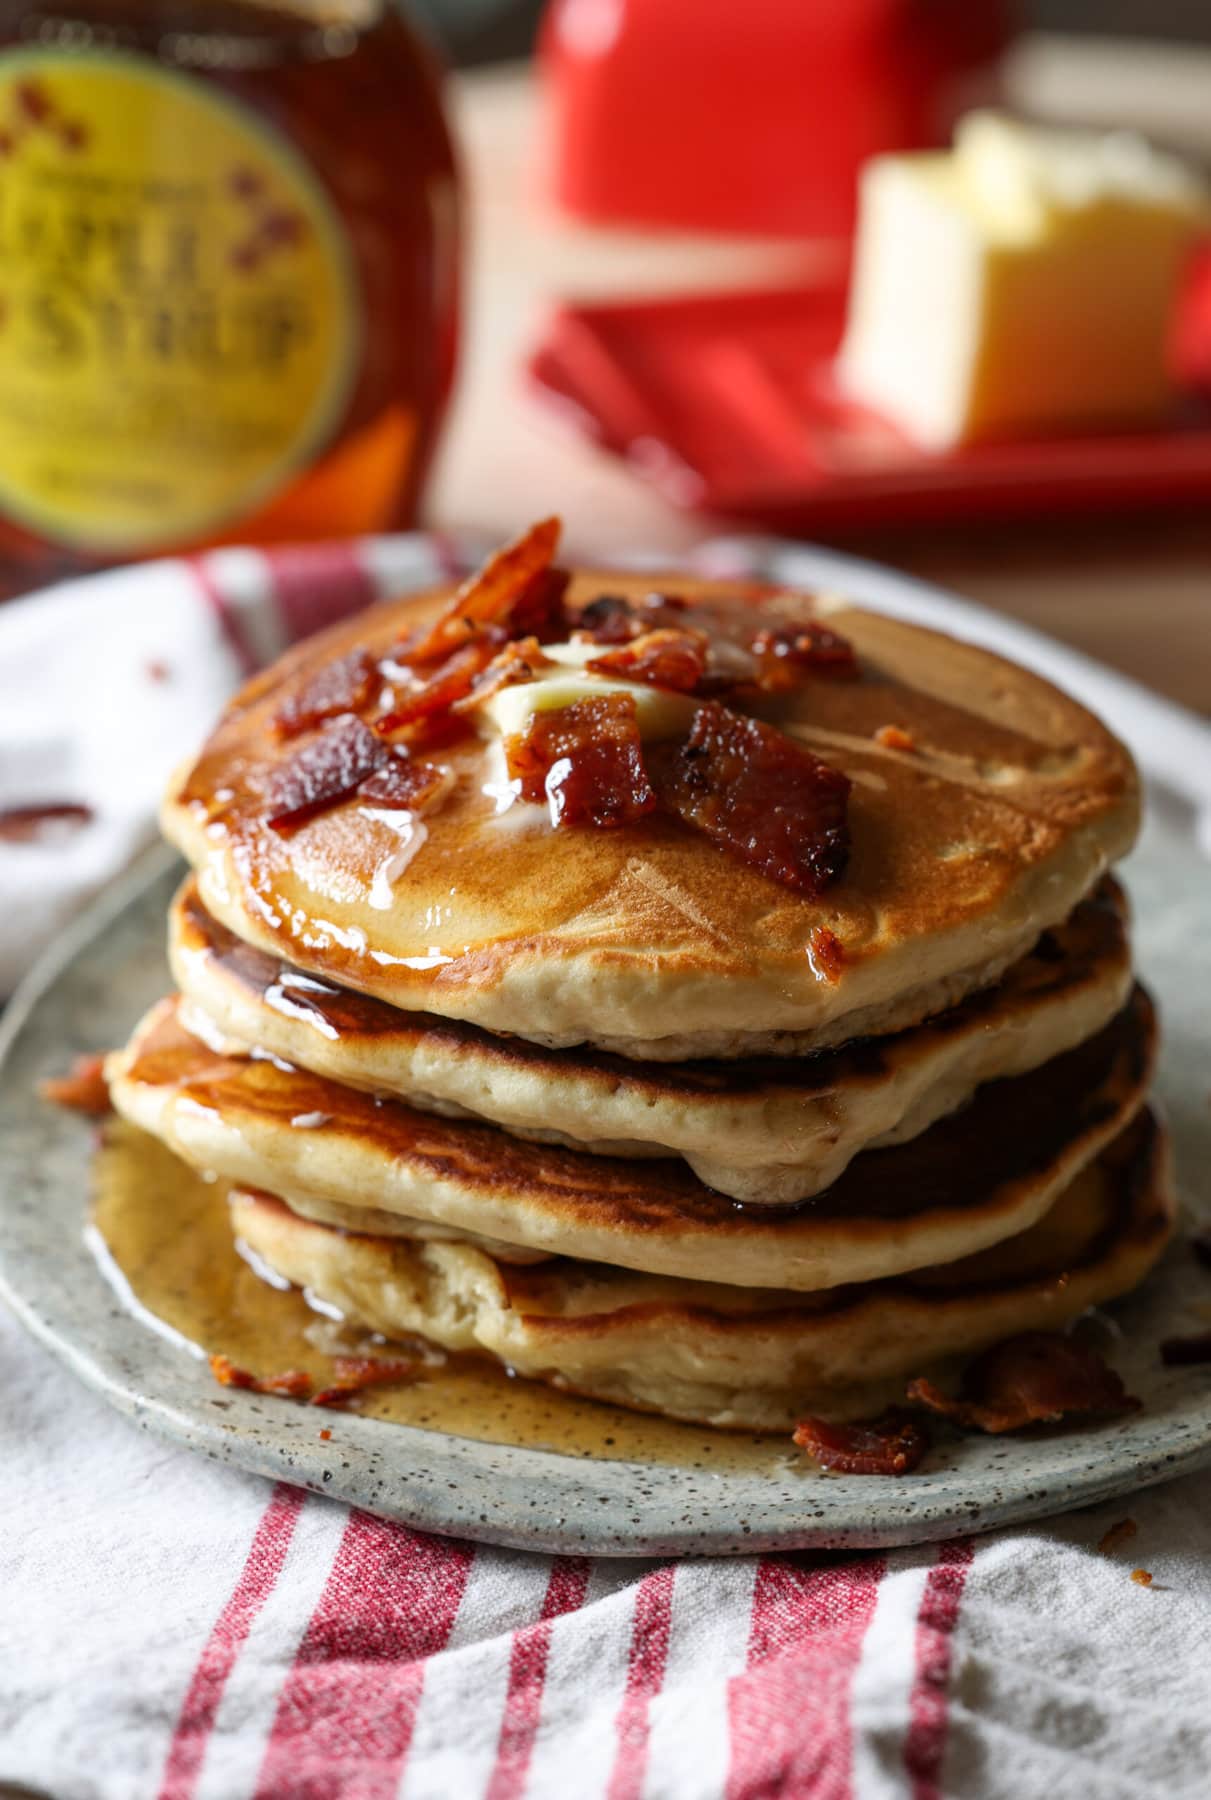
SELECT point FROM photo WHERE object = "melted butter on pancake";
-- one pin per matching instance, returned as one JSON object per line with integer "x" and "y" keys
{"x": 527, "y": 944}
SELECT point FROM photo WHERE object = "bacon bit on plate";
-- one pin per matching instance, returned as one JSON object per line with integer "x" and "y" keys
{"x": 1118, "y": 1534}
{"x": 291, "y": 1384}
{"x": 356, "y": 1373}
{"x": 1142, "y": 1577}
{"x": 1035, "y": 1378}
{"x": 786, "y": 653}
{"x": 31, "y": 824}
{"x": 326, "y": 769}
{"x": 451, "y": 682}
{"x": 83, "y": 1088}
{"x": 826, "y": 953}
{"x": 345, "y": 686}
{"x": 894, "y": 737}
{"x": 761, "y": 795}
{"x": 519, "y": 661}
{"x": 503, "y": 586}
{"x": 666, "y": 658}
{"x": 891, "y": 1445}
{"x": 412, "y": 786}
{"x": 325, "y": 1434}
{"x": 1183, "y": 1352}
{"x": 586, "y": 761}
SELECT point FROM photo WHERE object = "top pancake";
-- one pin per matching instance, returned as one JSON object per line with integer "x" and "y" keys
{"x": 648, "y": 939}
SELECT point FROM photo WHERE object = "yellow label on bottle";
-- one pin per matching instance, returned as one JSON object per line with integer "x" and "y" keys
{"x": 179, "y": 318}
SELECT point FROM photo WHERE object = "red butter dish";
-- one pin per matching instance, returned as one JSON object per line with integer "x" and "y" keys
{"x": 727, "y": 402}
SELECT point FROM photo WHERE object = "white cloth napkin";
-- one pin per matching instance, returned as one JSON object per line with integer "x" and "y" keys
{"x": 173, "y": 1628}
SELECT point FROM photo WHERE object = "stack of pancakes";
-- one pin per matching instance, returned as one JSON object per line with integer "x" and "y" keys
{"x": 620, "y": 1109}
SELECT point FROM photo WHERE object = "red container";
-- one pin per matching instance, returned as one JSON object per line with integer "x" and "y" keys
{"x": 754, "y": 117}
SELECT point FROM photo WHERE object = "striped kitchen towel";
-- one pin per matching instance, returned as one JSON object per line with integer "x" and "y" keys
{"x": 176, "y": 1630}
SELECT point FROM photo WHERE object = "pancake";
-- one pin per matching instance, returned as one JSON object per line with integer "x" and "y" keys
{"x": 1002, "y": 812}
{"x": 981, "y": 1175}
{"x": 726, "y": 1356}
{"x": 772, "y": 1131}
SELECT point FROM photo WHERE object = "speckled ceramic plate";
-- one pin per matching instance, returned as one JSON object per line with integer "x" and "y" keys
{"x": 112, "y": 966}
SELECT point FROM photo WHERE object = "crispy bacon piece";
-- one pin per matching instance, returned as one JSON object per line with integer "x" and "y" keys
{"x": 1142, "y": 1577}
{"x": 452, "y": 682}
{"x": 891, "y": 1445}
{"x": 615, "y": 619}
{"x": 762, "y": 796}
{"x": 894, "y": 737}
{"x": 586, "y": 761}
{"x": 826, "y": 953}
{"x": 539, "y": 610}
{"x": 83, "y": 1088}
{"x": 355, "y": 1373}
{"x": 1183, "y": 1352}
{"x": 610, "y": 619}
{"x": 410, "y": 785}
{"x": 326, "y": 769}
{"x": 518, "y": 661}
{"x": 667, "y": 658}
{"x": 786, "y": 653}
{"x": 291, "y": 1384}
{"x": 1035, "y": 1378}
{"x": 1120, "y": 1533}
{"x": 345, "y": 686}
{"x": 510, "y": 585}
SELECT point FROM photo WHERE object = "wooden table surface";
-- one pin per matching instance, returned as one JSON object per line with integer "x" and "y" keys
{"x": 1135, "y": 592}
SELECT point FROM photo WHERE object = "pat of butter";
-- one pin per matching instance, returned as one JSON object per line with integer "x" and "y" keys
{"x": 660, "y": 714}
{"x": 1024, "y": 281}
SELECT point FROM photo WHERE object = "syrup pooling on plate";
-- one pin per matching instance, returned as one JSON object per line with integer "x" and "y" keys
{"x": 164, "y": 1240}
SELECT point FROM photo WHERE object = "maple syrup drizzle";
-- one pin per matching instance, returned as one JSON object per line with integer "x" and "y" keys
{"x": 162, "y": 1238}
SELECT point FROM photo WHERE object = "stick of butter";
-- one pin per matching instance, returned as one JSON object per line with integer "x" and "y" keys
{"x": 1023, "y": 281}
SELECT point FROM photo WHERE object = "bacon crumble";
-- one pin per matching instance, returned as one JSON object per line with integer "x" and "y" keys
{"x": 586, "y": 761}
{"x": 894, "y": 737}
{"x": 345, "y": 686}
{"x": 785, "y": 653}
{"x": 667, "y": 658}
{"x": 83, "y": 1089}
{"x": 407, "y": 784}
{"x": 291, "y": 1384}
{"x": 826, "y": 953}
{"x": 762, "y": 796}
{"x": 511, "y": 583}
{"x": 891, "y": 1445}
{"x": 1142, "y": 1577}
{"x": 1035, "y": 1378}
{"x": 356, "y": 1373}
{"x": 451, "y": 682}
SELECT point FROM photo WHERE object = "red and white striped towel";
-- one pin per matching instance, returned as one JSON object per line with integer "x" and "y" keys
{"x": 177, "y": 1630}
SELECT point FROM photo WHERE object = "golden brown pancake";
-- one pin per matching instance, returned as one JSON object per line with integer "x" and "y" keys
{"x": 764, "y": 1131}
{"x": 649, "y": 939}
{"x": 981, "y": 1175}
{"x": 730, "y": 1356}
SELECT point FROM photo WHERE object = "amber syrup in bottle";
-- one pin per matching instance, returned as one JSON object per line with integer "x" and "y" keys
{"x": 228, "y": 276}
